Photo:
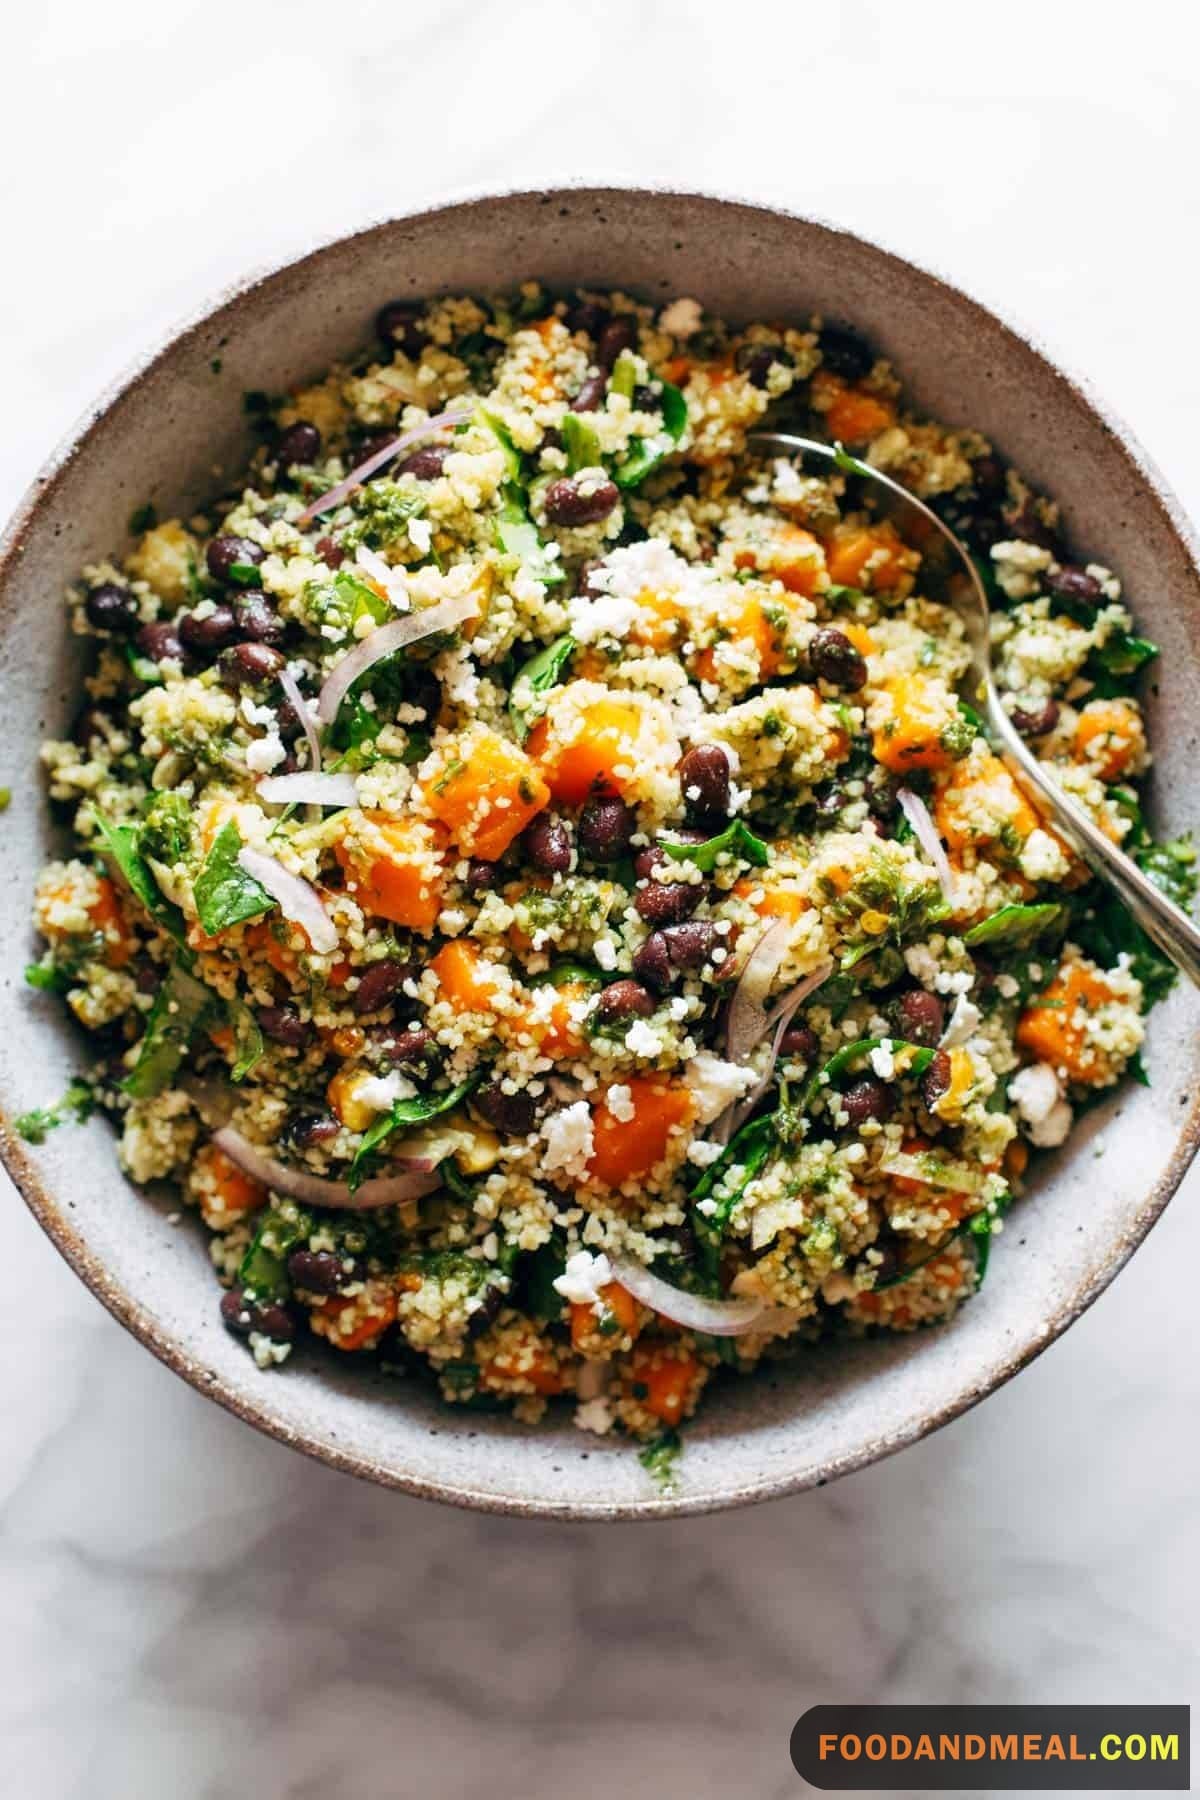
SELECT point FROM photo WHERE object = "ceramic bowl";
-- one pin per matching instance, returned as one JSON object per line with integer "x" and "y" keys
{"x": 163, "y": 434}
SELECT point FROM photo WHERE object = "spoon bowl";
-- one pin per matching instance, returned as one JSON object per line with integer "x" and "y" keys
{"x": 948, "y": 573}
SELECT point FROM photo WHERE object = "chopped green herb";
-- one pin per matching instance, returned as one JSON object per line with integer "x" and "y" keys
{"x": 647, "y": 453}
{"x": 660, "y": 1459}
{"x": 143, "y": 518}
{"x": 736, "y": 841}
{"x": 262, "y": 1271}
{"x": 541, "y": 673}
{"x": 76, "y": 1105}
{"x": 179, "y": 1006}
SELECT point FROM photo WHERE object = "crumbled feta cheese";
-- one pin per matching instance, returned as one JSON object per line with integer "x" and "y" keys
{"x": 606, "y": 616}
{"x": 420, "y": 535}
{"x": 882, "y": 1060}
{"x": 583, "y": 1277}
{"x": 619, "y": 1101}
{"x": 594, "y": 1415}
{"x": 716, "y": 1084}
{"x": 605, "y": 953}
{"x": 1038, "y": 1099}
{"x": 569, "y": 1142}
{"x": 380, "y": 1092}
{"x": 642, "y": 1040}
{"x": 265, "y": 753}
{"x": 964, "y": 1022}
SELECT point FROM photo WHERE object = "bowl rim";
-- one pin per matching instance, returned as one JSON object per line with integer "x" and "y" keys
{"x": 168, "y": 1346}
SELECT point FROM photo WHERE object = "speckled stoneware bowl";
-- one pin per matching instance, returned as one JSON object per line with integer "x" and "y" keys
{"x": 163, "y": 432}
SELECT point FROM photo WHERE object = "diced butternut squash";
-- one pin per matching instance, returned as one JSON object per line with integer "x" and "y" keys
{"x": 262, "y": 939}
{"x": 397, "y": 872}
{"x": 763, "y": 631}
{"x": 224, "y": 1191}
{"x": 1054, "y": 1026}
{"x": 1109, "y": 736}
{"x": 625, "y": 1149}
{"x": 868, "y": 556}
{"x": 557, "y": 1035}
{"x": 595, "y": 1332}
{"x": 770, "y": 902}
{"x": 852, "y": 414}
{"x": 790, "y": 553}
{"x": 523, "y": 1362}
{"x": 356, "y": 1322}
{"x": 859, "y": 636}
{"x": 602, "y": 742}
{"x": 342, "y": 1095}
{"x": 487, "y": 796}
{"x": 982, "y": 805}
{"x": 911, "y": 738}
{"x": 949, "y": 1106}
{"x": 108, "y": 917}
{"x": 465, "y": 978}
{"x": 672, "y": 1377}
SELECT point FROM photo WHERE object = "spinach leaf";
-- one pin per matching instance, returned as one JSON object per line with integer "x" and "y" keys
{"x": 76, "y": 1105}
{"x": 351, "y": 599}
{"x": 225, "y": 894}
{"x": 539, "y": 1271}
{"x": 49, "y": 977}
{"x": 580, "y": 443}
{"x": 647, "y": 453}
{"x": 561, "y": 974}
{"x": 499, "y": 430}
{"x": 517, "y": 536}
{"x": 180, "y": 1005}
{"x": 916, "y": 1059}
{"x": 746, "y": 1154}
{"x": 247, "y": 1037}
{"x": 123, "y": 844}
{"x": 541, "y": 673}
{"x": 660, "y": 1459}
{"x": 1171, "y": 866}
{"x": 1016, "y": 927}
{"x": 736, "y": 840}
{"x": 416, "y": 1111}
{"x": 1116, "y": 663}
{"x": 262, "y": 1271}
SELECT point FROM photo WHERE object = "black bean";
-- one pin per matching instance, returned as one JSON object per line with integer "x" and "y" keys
{"x": 920, "y": 1017}
{"x": 588, "y": 316}
{"x": 590, "y": 397}
{"x": 583, "y": 577}
{"x": 1072, "y": 583}
{"x": 645, "y": 400}
{"x": 369, "y": 447}
{"x": 258, "y": 619}
{"x": 757, "y": 361}
{"x": 378, "y": 983}
{"x": 937, "y": 1078}
{"x": 412, "y": 1048}
{"x": 425, "y": 464}
{"x": 322, "y": 1271}
{"x": 668, "y": 902}
{"x": 547, "y": 844}
{"x": 647, "y": 860}
{"x": 248, "y": 664}
{"x": 330, "y": 553}
{"x": 881, "y": 788}
{"x": 883, "y": 1258}
{"x": 1027, "y": 525}
{"x": 830, "y": 799}
{"x": 652, "y": 964}
{"x": 619, "y": 334}
{"x": 987, "y": 477}
{"x": 304, "y": 1129}
{"x": 867, "y": 1098}
{"x": 290, "y": 724}
{"x": 147, "y": 977}
{"x": 625, "y": 1000}
{"x": 243, "y": 1316}
{"x": 161, "y": 642}
{"x": 845, "y": 353}
{"x": 568, "y": 501}
{"x": 396, "y": 323}
{"x": 211, "y": 631}
{"x": 606, "y": 825}
{"x": 112, "y": 608}
{"x": 690, "y": 944}
{"x": 284, "y": 1025}
{"x": 300, "y": 443}
{"x": 490, "y": 1304}
{"x": 512, "y": 1114}
{"x": 1036, "y": 721}
{"x": 704, "y": 778}
{"x": 835, "y": 660}
{"x": 800, "y": 1042}
{"x": 225, "y": 553}
{"x": 481, "y": 876}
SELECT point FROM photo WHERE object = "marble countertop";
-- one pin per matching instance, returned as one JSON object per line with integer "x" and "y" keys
{"x": 191, "y": 1609}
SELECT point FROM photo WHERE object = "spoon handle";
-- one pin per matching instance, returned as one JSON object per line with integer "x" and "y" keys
{"x": 1166, "y": 924}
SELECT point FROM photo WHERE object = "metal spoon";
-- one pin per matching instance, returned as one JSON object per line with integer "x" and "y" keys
{"x": 958, "y": 579}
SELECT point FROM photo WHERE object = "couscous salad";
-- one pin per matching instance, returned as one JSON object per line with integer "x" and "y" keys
{"x": 535, "y": 887}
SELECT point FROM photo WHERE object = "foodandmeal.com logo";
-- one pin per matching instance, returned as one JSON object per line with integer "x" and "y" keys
{"x": 1094, "y": 1749}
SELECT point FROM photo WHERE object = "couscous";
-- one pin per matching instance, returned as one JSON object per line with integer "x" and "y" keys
{"x": 536, "y": 890}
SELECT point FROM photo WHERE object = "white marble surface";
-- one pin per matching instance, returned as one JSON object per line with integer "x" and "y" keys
{"x": 190, "y": 1610}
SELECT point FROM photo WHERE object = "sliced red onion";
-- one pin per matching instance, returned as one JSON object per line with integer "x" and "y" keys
{"x": 780, "y": 1017}
{"x": 747, "y": 1023}
{"x": 308, "y": 788}
{"x": 379, "y": 460}
{"x": 382, "y": 642}
{"x": 298, "y": 901}
{"x": 926, "y": 834}
{"x": 299, "y": 705}
{"x": 719, "y": 1318}
{"x": 411, "y": 1181}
